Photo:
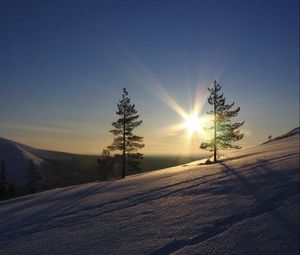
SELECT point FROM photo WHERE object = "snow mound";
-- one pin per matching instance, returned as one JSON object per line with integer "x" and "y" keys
{"x": 247, "y": 204}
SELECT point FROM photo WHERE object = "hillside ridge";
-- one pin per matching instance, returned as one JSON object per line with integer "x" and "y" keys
{"x": 291, "y": 133}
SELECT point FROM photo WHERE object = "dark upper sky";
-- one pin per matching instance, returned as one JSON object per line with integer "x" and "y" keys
{"x": 63, "y": 65}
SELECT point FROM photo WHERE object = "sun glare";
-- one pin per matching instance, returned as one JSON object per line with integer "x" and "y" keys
{"x": 193, "y": 123}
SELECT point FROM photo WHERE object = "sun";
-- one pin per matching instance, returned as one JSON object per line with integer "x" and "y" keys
{"x": 193, "y": 123}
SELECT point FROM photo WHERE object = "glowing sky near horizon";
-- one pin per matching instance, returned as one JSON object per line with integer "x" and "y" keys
{"x": 63, "y": 65}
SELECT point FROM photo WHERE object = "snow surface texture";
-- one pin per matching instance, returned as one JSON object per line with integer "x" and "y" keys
{"x": 248, "y": 204}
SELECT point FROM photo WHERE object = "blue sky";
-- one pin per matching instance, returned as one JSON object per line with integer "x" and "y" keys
{"x": 63, "y": 65}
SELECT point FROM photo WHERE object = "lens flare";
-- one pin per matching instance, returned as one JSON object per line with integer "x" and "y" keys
{"x": 193, "y": 123}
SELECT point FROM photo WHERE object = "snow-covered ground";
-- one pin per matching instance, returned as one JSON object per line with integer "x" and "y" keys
{"x": 249, "y": 204}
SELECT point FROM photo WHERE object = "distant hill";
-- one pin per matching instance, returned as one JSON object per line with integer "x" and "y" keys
{"x": 291, "y": 133}
{"x": 57, "y": 169}
{"x": 16, "y": 157}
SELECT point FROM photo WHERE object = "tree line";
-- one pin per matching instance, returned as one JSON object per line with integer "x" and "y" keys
{"x": 127, "y": 144}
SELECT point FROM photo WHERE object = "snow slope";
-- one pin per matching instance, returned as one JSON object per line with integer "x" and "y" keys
{"x": 248, "y": 204}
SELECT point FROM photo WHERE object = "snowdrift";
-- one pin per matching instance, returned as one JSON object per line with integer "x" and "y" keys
{"x": 247, "y": 204}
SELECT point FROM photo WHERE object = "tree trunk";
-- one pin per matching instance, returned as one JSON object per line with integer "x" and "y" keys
{"x": 215, "y": 125}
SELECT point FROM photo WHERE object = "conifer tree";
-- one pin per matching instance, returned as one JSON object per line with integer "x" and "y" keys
{"x": 105, "y": 164}
{"x": 3, "y": 179}
{"x": 225, "y": 132}
{"x": 124, "y": 139}
{"x": 33, "y": 177}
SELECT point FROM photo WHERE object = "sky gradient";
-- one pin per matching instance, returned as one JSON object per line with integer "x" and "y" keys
{"x": 63, "y": 65}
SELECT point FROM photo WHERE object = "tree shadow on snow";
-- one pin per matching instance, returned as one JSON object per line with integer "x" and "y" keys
{"x": 286, "y": 189}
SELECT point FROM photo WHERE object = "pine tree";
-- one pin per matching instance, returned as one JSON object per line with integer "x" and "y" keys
{"x": 225, "y": 132}
{"x": 124, "y": 139}
{"x": 3, "y": 181}
{"x": 33, "y": 177}
{"x": 105, "y": 164}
